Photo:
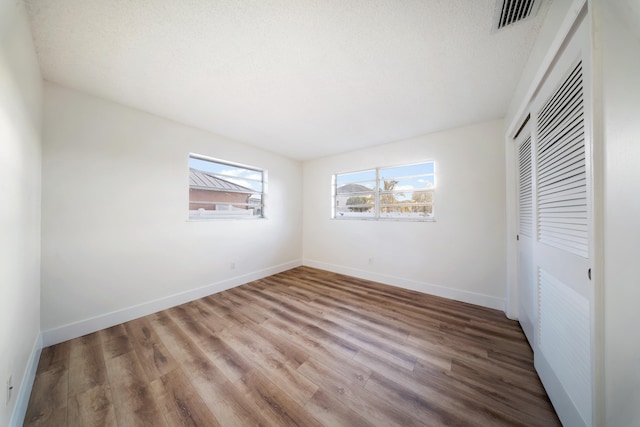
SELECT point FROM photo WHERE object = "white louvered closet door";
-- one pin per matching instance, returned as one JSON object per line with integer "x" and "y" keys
{"x": 527, "y": 294}
{"x": 562, "y": 215}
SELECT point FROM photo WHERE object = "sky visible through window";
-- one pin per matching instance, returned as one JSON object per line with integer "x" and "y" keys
{"x": 409, "y": 178}
{"x": 245, "y": 177}
{"x": 396, "y": 192}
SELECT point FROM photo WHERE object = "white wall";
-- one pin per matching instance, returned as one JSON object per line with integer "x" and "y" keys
{"x": 460, "y": 256}
{"x": 115, "y": 233}
{"x": 20, "y": 118}
{"x": 621, "y": 107}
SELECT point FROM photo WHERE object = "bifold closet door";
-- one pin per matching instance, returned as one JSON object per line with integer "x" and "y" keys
{"x": 527, "y": 295}
{"x": 563, "y": 236}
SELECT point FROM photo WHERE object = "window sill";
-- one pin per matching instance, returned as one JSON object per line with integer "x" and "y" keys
{"x": 384, "y": 219}
{"x": 225, "y": 219}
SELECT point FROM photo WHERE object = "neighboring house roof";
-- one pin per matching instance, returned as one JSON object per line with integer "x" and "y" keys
{"x": 353, "y": 188}
{"x": 205, "y": 181}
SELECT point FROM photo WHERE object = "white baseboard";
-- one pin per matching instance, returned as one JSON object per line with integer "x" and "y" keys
{"x": 87, "y": 326}
{"x": 83, "y": 327}
{"x": 426, "y": 288}
{"x": 24, "y": 392}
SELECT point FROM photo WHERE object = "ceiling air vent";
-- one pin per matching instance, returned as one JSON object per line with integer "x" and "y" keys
{"x": 511, "y": 11}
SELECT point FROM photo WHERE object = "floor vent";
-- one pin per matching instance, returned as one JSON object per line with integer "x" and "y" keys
{"x": 509, "y": 12}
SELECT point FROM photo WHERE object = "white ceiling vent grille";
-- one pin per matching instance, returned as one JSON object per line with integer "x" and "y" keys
{"x": 509, "y": 12}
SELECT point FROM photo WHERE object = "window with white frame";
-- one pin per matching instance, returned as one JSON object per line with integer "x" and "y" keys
{"x": 220, "y": 189}
{"x": 399, "y": 192}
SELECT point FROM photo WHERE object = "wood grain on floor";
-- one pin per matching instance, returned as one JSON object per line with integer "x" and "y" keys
{"x": 305, "y": 347}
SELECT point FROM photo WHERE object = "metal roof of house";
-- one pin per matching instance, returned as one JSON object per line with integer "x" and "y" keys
{"x": 206, "y": 181}
{"x": 353, "y": 188}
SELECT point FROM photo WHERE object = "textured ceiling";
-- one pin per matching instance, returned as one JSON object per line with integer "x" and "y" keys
{"x": 304, "y": 78}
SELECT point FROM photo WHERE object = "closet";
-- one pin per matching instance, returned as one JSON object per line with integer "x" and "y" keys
{"x": 555, "y": 229}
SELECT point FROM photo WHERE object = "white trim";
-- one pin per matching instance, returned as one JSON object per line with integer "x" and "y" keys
{"x": 511, "y": 183}
{"x": 226, "y": 163}
{"x": 426, "y": 288}
{"x": 87, "y": 326}
{"x": 24, "y": 392}
{"x": 595, "y": 64}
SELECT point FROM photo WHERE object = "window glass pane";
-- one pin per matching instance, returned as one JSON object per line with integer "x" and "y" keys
{"x": 398, "y": 196}
{"x": 220, "y": 190}
{"x": 403, "y": 192}
{"x": 409, "y": 170}
{"x": 359, "y": 203}
{"x": 421, "y": 196}
{"x": 407, "y": 177}
{"x": 406, "y": 211}
{"x": 361, "y": 177}
{"x": 407, "y": 184}
{"x": 247, "y": 178}
{"x": 355, "y": 211}
{"x": 356, "y": 187}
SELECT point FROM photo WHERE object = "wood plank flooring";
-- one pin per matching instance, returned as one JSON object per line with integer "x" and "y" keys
{"x": 305, "y": 347}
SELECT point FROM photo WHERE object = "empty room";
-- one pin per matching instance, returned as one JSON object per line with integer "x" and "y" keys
{"x": 319, "y": 213}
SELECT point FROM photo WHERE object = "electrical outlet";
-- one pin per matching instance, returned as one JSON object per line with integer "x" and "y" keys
{"x": 370, "y": 261}
{"x": 232, "y": 265}
{"x": 9, "y": 388}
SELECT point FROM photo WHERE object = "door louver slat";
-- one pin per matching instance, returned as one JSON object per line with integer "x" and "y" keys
{"x": 571, "y": 93}
{"x": 565, "y": 195}
{"x": 561, "y": 175}
{"x": 525, "y": 220}
{"x": 564, "y": 221}
{"x": 570, "y": 83}
{"x": 574, "y": 149}
{"x": 566, "y": 227}
{"x": 561, "y": 164}
{"x": 568, "y": 184}
{"x": 572, "y": 124}
{"x": 573, "y": 140}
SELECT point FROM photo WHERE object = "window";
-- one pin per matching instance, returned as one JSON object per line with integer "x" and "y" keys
{"x": 400, "y": 193}
{"x": 219, "y": 189}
